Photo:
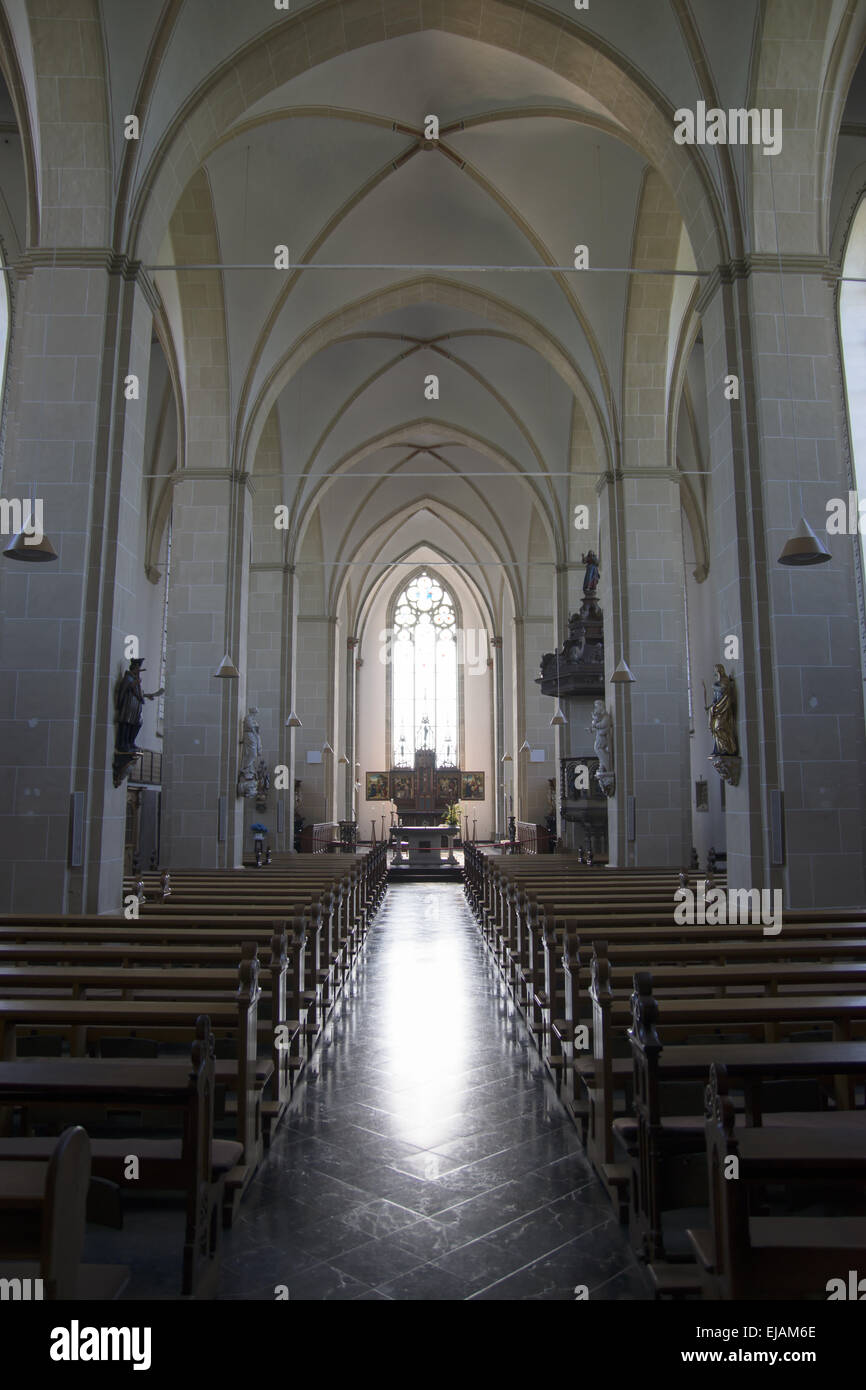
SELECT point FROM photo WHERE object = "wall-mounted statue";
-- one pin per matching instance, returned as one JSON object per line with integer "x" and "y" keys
{"x": 602, "y": 727}
{"x": 590, "y": 578}
{"x": 129, "y": 701}
{"x": 721, "y": 718}
{"x": 252, "y": 768}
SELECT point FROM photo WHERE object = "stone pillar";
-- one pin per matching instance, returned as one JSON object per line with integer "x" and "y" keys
{"x": 264, "y": 690}
{"x": 351, "y": 715}
{"x": 208, "y": 598}
{"x": 736, "y": 552}
{"x": 778, "y": 452}
{"x": 498, "y": 734}
{"x": 81, "y": 331}
{"x": 288, "y": 646}
{"x": 314, "y": 684}
{"x": 651, "y": 744}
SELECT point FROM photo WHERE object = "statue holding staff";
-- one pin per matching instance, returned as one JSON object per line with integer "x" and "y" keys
{"x": 129, "y": 701}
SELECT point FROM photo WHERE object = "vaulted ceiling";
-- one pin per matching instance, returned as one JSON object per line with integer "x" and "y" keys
{"x": 306, "y": 128}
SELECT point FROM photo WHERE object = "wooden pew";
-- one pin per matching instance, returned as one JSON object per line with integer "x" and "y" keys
{"x": 746, "y": 1256}
{"x": 655, "y": 1141}
{"x": 43, "y": 1207}
{"x": 173, "y": 1019}
{"x": 776, "y": 963}
{"x": 763, "y": 1015}
{"x": 156, "y": 979}
{"x": 193, "y": 1163}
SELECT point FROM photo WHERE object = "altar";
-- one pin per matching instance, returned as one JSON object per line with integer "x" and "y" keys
{"x": 424, "y": 843}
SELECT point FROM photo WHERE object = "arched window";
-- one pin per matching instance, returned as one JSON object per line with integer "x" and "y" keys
{"x": 424, "y": 687}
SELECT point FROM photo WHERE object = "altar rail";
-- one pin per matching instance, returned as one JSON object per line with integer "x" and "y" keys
{"x": 526, "y": 837}
{"x": 317, "y": 839}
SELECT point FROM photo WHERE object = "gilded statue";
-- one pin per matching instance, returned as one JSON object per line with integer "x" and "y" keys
{"x": 721, "y": 713}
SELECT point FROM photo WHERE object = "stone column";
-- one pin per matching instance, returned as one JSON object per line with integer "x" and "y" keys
{"x": 498, "y": 734}
{"x": 351, "y": 716}
{"x": 208, "y": 599}
{"x": 288, "y": 648}
{"x": 779, "y": 452}
{"x": 264, "y": 689}
{"x": 651, "y": 746}
{"x": 83, "y": 328}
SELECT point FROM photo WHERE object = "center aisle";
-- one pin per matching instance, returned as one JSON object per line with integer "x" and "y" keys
{"x": 430, "y": 1157}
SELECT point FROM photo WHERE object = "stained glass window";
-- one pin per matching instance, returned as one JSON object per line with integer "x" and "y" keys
{"x": 424, "y": 673}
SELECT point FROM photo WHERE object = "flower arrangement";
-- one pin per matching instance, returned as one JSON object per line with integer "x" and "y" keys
{"x": 452, "y": 815}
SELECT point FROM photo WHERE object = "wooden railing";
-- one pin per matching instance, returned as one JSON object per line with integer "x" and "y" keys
{"x": 317, "y": 839}
{"x": 324, "y": 834}
{"x": 526, "y": 838}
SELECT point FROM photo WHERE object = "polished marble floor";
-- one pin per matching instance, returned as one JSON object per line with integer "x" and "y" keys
{"x": 427, "y": 1156}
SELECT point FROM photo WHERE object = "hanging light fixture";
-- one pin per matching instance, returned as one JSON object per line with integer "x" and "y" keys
{"x": 326, "y": 747}
{"x": 227, "y": 671}
{"x": 24, "y": 547}
{"x": 524, "y": 747}
{"x": 804, "y": 547}
{"x": 506, "y": 758}
{"x": 293, "y": 722}
{"x": 622, "y": 675}
{"x": 20, "y": 548}
{"x": 343, "y": 760}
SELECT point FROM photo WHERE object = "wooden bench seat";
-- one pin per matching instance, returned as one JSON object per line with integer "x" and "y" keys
{"x": 175, "y": 1020}
{"x": 748, "y": 1256}
{"x": 654, "y": 1142}
{"x": 42, "y": 1221}
{"x": 187, "y": 1164}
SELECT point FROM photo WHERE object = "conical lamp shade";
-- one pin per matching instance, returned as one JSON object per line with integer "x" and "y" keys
{"x": 622, "y": 675}
{"x": 506, "y": 758}
{"x": 326, "y": 747}
{"x": 804, "y": 548}
{"x": 226, "y": 671}
{"x": 558, "y": 719}
{"x": 23, "y": 548}
{"x": 343, "y": 761}
{"x": 524, "y": 747}
{"x": 293, "y": 722}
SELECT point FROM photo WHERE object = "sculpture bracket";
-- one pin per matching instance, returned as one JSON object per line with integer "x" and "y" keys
{"x": 122, "y": 766}
{"x": 607, "y": 782}
{"x": 727, "y": 767}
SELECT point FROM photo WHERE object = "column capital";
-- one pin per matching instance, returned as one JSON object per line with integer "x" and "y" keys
{"x": 765, "y": 263}
{"x": 618, "y": 475}
{"x": 88, "y": 258}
